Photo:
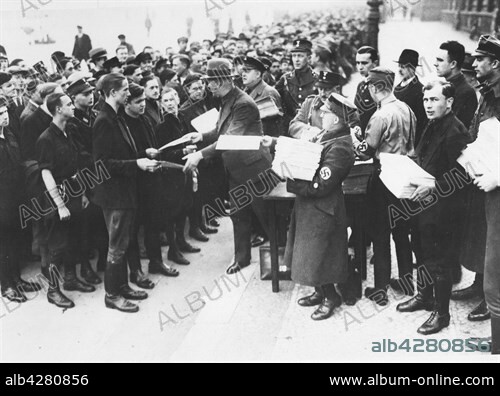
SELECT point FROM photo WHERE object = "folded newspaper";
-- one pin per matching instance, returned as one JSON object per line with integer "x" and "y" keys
{"x": 296, "y": 158}
{"x": 398, "y": 172}
{"x": 483, "y": 155}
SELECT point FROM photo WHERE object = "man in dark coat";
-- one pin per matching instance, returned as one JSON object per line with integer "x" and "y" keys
{"x": 295, "y": 86}
{"x": 317, "y": 239}
{"x": 238, "y": 116}
{"x": 449, "y": 61}
{"x": 211, "y": 181}
{"x": 409, "y": 90}
{"x": 82, "y": 45}
{"x": 442, "y": 143}
{"x": 114, "y": 145}
{"x": 487, "y": 66}
{"x": 258, "y": 89}
{"x": 153, "y": 112}
{"x": 366, "y": 59}
{"x": 12, "y": 285}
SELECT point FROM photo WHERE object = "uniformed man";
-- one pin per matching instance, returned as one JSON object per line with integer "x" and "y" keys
{"x": 317, "y": 240}
{"x": 295, "y": 86}
{"x": 391, "y": 129}
{"x": 258, "y": 89}
{"x": 308, "y": 121}
{"x": 487, "y": 66}
{"x": 366, "y": 59}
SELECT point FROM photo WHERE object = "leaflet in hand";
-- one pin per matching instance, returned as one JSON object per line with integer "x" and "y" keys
{"x": 398, "y": 172}
{"x": 206, "y": 122}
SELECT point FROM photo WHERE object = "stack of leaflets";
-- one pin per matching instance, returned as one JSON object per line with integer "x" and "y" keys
{"x": 267, "y": 108}
{"x": 296, "y": 159}
{"x": 399, "y": 173}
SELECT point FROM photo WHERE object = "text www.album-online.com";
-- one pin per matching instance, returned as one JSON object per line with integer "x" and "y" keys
{"x": 437, "y": 379}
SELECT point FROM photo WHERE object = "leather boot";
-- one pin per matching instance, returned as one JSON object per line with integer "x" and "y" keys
{"x": 112, "y": 283}
{"x": 440, "y": 317}
{"x": 139, "y": 279}
{"x": 423, "y": 300}
{"x": 54, "y": 294}
{"x": 314, "y": 299}
{"x": 72, "y": 283}
{"x": 331, "y": 300}
{"x": 495, "y": 335}
{"x": 88, "y": 274}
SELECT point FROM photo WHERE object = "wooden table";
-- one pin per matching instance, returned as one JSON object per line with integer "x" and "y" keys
{"x": 354, "y": 187}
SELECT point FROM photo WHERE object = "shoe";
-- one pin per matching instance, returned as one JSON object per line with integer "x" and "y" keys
{"x": 466, "y": 294}
{"x": 88, "y": 274}
{"x": 378, "y": 296}
{"x": 186, "y": 247}
{"x": 162, "y": 269}
{"x": 416, "y": 303}
{"x": 311, "y": 300}
{"x": 28, "y": 287}
{"x": 198, "y": 235}
{"x": 177, "y": 258}
{"x": 54, "y": 296}
{"x": 402, "y": 286}
{"x": 434, "y": 324}
{"x": 479, "y": 313}
{"x": 139, "y": 279}
{"x": 258, "y": 240}
{"x": 77, "y": 285}
{"x": 214, "y": 223}
{"x": 235, "y": 267}
{"x": 120, "y": 303}
{"x": 209, "y": 230}
{"x": 325, "y": 310}
{"x": 130, "y": 294}
{"x": 14, "y": 295}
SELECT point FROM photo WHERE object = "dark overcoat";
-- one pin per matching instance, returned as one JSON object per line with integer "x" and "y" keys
{"x": 316, "y": 247}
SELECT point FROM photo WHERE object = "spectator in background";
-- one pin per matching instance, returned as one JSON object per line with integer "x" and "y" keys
{"x": 82, "y": 45}
{"x": 123, "y": 41}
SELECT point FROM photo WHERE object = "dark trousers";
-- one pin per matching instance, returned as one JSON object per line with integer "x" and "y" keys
{"x": 151, "y": 242}
{"x": 120, "y": 224}
{"x": 241, "y": 216}
{"x": 381, "y": 199}
{"x": 10, "y": 243}
{"x": 492, "y": 261}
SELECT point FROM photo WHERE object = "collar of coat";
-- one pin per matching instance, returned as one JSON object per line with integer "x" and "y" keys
{"x": 491, "y": 87}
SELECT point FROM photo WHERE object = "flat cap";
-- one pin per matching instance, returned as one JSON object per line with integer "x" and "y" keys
{"x": 254, "y": 63}
{"x": 329, "y": 80}
{"x": 96, "y": 53}
{"x": 302, "y": 46}
{"x": 79, "y": 86}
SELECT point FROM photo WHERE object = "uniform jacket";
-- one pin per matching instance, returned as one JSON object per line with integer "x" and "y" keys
{"x": 294, "y": 87}
{"x": 316, "y": 246}
{"x": 271, "y": 126}
{"x": 239, "y": 115}
{"x": 113, "y": 145}
{"x": 365, "y": 104}
{"x": 413, "y": 96}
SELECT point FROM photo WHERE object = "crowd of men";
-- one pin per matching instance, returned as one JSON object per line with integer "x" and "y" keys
{"x": 117, "y": 118}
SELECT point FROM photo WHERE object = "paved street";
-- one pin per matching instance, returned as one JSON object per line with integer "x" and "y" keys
{"x": 240, "y": 319}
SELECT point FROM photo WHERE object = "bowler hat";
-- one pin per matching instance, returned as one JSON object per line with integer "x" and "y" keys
{"x": 408, "y": 57}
